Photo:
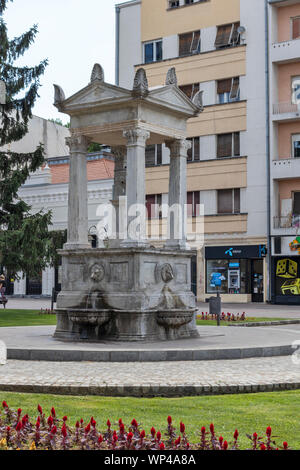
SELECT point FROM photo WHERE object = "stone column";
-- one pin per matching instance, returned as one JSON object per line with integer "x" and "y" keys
{"x": 119, "y": 187}
{"x": 177, "y": 194}
{"x": 77, "y": 202}
{"x": 135, "y": 183}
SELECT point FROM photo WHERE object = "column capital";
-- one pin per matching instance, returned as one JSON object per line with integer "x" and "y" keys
{"x": 179, "y": 147}
{"x": 78, "y": 143}
{"x": 136, "y": 136}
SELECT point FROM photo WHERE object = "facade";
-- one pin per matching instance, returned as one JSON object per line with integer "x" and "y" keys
{"x": 217, "y": 47}
{"x": 284, "y": 67}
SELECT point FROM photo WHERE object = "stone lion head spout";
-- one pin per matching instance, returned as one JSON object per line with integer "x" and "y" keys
{"x": 97, "y": 273}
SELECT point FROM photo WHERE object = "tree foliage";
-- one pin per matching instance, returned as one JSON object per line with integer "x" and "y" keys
{"x": 25, "y": 244}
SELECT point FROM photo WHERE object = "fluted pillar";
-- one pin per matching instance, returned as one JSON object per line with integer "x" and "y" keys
{"x": 135, "y": 185}
{"x": 77, "y": 201}
{"x": 177, "y": 194}
{"x": 119, "y": 188}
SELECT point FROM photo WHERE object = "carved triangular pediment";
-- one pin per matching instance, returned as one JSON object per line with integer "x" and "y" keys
{"x": 173, "y": 97}
{"x": 95, "y": 93}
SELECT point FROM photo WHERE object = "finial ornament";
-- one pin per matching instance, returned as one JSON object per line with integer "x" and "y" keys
{"x": 140, "y": 84}
{"x": 59, "y": 95}
{"x": 198, "y": 100}
{"x": 97, "y": 73}
{"x": 171, "y": 78}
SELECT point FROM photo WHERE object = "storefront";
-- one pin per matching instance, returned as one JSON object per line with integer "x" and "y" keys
{"x": 286, "y": 271}
{"x": 241, "y": 270}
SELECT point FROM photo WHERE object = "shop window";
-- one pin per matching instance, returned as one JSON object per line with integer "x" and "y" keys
{"x": 189, "y": 43}
{"x": 228, "y": 90}
{"x": 193, "y": 204}
{"x": 194, "y": 151}
{"x": 296, "y": 90}
{"x": 153, "y": 155}
{"x": 153, "y": 206}
{"x": 190, "y": 90}
{"x": 287, "y": 272}
{"x": 295, "y": 27}
{"x": 228, "y": 145}
{"x": 296, "y": 145}
{"x": 235, "y": 276}
{"x": 153, "y": 51}
{"x": 229, "y": 201}
{"x": 227, "y": 36}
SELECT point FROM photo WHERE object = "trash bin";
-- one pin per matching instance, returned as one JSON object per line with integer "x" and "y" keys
{"x": 215, "y": 305}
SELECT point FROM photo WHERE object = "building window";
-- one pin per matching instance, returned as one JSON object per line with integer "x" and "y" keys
{"x": 152, "y": 51}
{"x": 228, "y": 90}
{"x": 173, "y": 4}
{"x": 228, "y": 145}
{"x": 296, "y": 90}
{"x": 296, "y": 204}
{"x": 153, "y": 206}
{"x": 189, "y": 43}
{"x": 296, "y": 145}
{"x": 229, "y": 201}
{"x": 153, "y": 155}
{"x": 227, "y": 36}
{"x": 295, "y": 27}
{"x": 193, "y": 204}
{"x": 194, "y": 151}
{"x": 190, "y": 90}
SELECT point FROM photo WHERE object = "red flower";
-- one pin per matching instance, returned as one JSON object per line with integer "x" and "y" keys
{"x": 64, "y": 431}
{"x": 53, "y": 412}
{"x": 4, "y": 404}
{"x": 40, "y": 409}
{"x": 153, "y": 432}
{"x": 24, "y": 420}
{"x": 37, "y": 424}
{"x": 19, "y": 411}
{"x": 169, "y": 420}
{"x": 158, "y": 436}
{"x": 212, "y": 428}
{"x": 255, "y": 436}
{"x": 108, "y": 424}
{"x": 120, "y": 421}
{"x": 225, "y": 445}
{"x": 269, "y": 431}
{"x": 115, "y": 436}
{"x": 262, "y": 447}
{"x": 129, "y": 436}
{"x": 203, "y": 430}
{"x": 285, "y": 445}
{"x": 77, "y": 425}
{"x": 50, "y": 421}
{"x": 100, "y": 439}
{"x": 182, "y": 428}
{"x": 93, "y": 422}
{"x": 87, "y": 429}
{"x": 65, "y": 418}
{"x": 162, "y": 446}
{"x": 142, "y": 434}
{"x": 236, "y": 434}
{"x": 221, "y": 439}
{"x": 187, "y": 445}
{"x": 54, "y": 430}
{"x": 122, "y": 428}
{"x": 81, "y": 421}
{"x": 134, "y": 423}
{"x": 177, "y": 442}
{"x": 19, "y": 426}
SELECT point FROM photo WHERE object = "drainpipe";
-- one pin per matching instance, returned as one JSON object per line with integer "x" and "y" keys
{"x": 117, "y": 69}
{"x": 268, "y": 156}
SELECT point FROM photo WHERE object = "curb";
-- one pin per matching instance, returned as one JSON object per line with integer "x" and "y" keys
{"x": 268, "y": 323}
{"x": 150, "y": 391}
{"x": 51, "y": 355}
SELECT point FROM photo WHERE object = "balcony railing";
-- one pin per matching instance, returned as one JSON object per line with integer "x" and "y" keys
{"x": 289, "y": 221}
{"x": 285, "y": 108}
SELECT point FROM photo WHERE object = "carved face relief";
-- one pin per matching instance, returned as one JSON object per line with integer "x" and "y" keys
{"x": 167, "y": 273}
{"x": 97, "y": 273}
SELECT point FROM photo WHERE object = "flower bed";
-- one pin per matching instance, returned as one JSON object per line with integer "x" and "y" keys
{"x": 228, "y": 317}
{"x": 18, "y": 431}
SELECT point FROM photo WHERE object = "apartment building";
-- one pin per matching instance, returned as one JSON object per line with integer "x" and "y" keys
{"x": 218, "y": 47}
{"x": 284, "y": 71}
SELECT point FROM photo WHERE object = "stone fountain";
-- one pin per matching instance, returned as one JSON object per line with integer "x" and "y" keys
{"x": 129, "y": 290}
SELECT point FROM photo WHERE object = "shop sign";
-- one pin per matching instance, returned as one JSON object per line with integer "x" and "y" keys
{"x": 236, "y": 252}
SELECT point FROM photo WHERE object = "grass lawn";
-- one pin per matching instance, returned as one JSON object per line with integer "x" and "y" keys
{"x": 248, "y": 320}
{"x": 247, "y": 413}
{"x": 25, "y": 318}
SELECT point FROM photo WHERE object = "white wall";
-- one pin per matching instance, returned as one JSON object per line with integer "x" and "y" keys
{"x": 208, "y": 38}
{"x": 130, "y": 53}
{"x": 208, "y": 147}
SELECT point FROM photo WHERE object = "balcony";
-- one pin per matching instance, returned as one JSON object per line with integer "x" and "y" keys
{"x": 286, "y": 225}
{"x": 286, "y": 112}
{"x": 287, "y": 51}
{"x": 285, "y": 168}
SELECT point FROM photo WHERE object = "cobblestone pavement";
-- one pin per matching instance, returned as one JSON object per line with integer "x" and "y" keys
{"x": 150, "y": 378}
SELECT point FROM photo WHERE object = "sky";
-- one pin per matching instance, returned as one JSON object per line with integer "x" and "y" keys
{"x": 73, "y": 36}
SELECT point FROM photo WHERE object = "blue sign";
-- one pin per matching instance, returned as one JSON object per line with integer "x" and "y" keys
{"x": 234, "y": 265}
{"x": 216, "y": 279}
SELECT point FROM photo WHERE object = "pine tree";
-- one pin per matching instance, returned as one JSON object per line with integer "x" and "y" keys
{"x": 25, "y": 244}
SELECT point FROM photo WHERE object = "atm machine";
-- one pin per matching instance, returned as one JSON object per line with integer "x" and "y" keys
{"x": 234, "y": 281}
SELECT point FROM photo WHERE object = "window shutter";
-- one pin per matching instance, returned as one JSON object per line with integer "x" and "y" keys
{"x": 225, "y": 201}
{"x": 195, "y": 46}
{"x": 235, "y": 88}
{"x": 237, "y": 150}
{"x": 237, "y": 201}
{"x": 235, "y": 38}
{"x": 224, "y": 86}
{"x": 296, "y": 28}
{"x": 150, "y": 155}
{"x": 223, "y": 35}
{"x": 224, "y": 147}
